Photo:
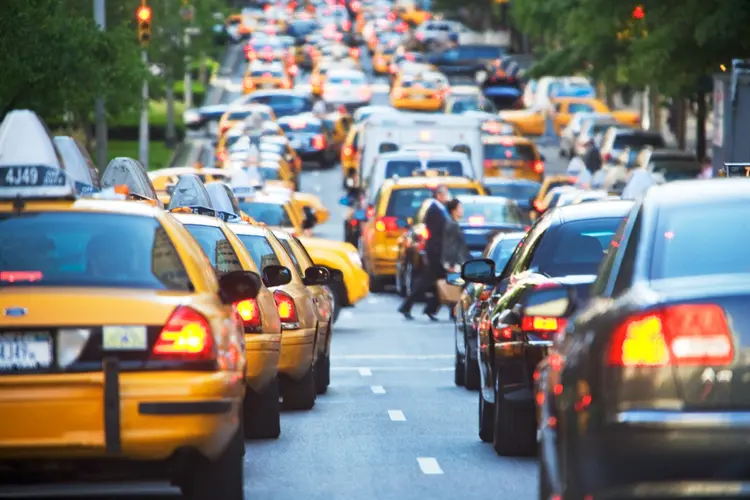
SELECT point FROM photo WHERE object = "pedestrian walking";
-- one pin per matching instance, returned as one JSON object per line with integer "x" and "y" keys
{"x": 455, "y": 251}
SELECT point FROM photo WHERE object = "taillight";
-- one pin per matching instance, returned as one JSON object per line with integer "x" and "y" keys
{"x": 485, "y": 295}
{"x": 370, "y": 213}
{"x": 542, "y": 324}
{"x": 685, "y": 334}
{"x": 250, "y": 54}
{"x": 248, "y": 83}
{"x": 319, "y": 142}
{"x": 287, "y": 84}
{"x": 538, "y": 206}
{"x": 386, "y": 224}
{"x": 538, "y": 166}
{"x": 504, "y": 333}
{"x": 185, "y": 336}
{"x": 287, "y": 309}
{"x": 250, "y": 313}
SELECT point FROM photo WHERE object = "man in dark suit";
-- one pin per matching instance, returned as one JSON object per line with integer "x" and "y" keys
{"x": 432, "y": 269}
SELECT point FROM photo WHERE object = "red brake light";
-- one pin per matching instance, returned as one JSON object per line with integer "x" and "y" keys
{"x": 14, "y": 276}
{"x": 538, "y": 206}
{"x": 386, "y": 224}
{"x": 541, "y": 324}
{"x": 685, "y": 334}
{"x": 485, "y": 294}
{"x": 538, "y": 166}
{"x": 319, "y": 142}
{"x": 354, "y": 52}
{"x": 505, "y": 333}
{"x": 186, "y": 335}
{"x": 287, "y": 309}
{"x": 250, "y": 313}
{"x": 488, "y": 164}
{"x": 370, "y": 213}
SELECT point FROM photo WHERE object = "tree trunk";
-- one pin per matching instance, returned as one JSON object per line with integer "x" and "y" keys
{"x": 655, "y": 110}
{"x": 700, "y": 126}
{"x": 681, "y": 122}
{"x": 202, "y": 76}
{"x": 171, "y": 133}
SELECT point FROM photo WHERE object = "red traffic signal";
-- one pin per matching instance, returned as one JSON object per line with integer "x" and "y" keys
{"x": 144, "y": 13}
{"x": 638, "y": 12}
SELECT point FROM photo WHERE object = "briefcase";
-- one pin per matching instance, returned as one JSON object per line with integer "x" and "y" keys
{"x": 448, "y": 294}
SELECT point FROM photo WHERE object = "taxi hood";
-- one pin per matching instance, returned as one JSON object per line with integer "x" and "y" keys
{"x": 321, "y": 244}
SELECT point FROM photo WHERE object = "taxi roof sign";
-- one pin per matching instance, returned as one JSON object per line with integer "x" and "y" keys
{"x": 123, "y": 171}
{"x": 190, "y": 193}
{"x": 223, "y": 201}
{"x": 736, "y": 170}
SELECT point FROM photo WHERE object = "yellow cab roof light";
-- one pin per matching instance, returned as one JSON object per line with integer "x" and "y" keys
{"x": 190, "y": 196}
{"x": 30, "y": 165}
{"x": 78, "y": 164}
{"x": 127, "y": 177}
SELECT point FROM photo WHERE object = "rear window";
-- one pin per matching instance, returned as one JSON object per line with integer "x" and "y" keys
{"x": 465, "y": 105}
{"x": 300, "y": 127}
{"x": 492, "y": 213}
{"x": 267, "y": 73}
{"x": 260, "y": 250}
{"x": 638, "y": 141}
{"x": 677, "y": 169}
{"x": 217, "y": 248}
{"x": 688, "y": 241}
{"x": 404, "y": 203}
{"x": 420, "y": 84}
{"x": 270, "y": 214}
{"x": 576, "y": 247}
{"x": 522, "y": 152}
{"x": 480, "y": 52}
{"x": 239, "y": 115}
{"x": 453, "y": 168}
{"x": 515, "y": 191}
{"x": 285, "y": 105}
{"x": 79, "y": 249}
{"x": 401, "y": 168}
{"x": 288, "y": 247}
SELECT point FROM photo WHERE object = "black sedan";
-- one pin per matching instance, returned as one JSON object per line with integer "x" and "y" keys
{"x": 311, "y": 138}
{"x": 567, "y": 245}
{"x": 473, "y": 301}
{"x": 646, "y": 394}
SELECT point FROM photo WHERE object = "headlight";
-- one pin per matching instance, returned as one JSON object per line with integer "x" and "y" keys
{"x": 355, "y": 259}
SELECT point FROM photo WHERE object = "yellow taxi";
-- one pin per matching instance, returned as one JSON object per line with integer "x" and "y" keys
{"x": 381, "y": 59}
{"x": 350, "y": 152}
{"x": 512, "y": 156}
{"x": 164, "y": 179}
{"x": 397, "y": 201}
{"x": 276, "y": 171}
{"x": 193, "y": 207}
{"x": 323, "y": 298}
{"x": 266, "y": 76}
{"x": 108, "y": 307}
{"x": 415, "y": 94}
{"x": 548, "y": 184}
{"x": 566, "y": 107}
{"x": 413, "y": 14}
{"x": 299, "y": 316}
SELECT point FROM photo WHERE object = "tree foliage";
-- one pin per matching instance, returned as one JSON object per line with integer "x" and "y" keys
{"x": 674, "y": 47}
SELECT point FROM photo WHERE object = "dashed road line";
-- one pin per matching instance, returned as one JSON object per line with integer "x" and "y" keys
{"x": 397, "y": 416}
{"x": 429, "y": 465}
{"x": 377, "y": 389}
{"x": 365, "y": 372}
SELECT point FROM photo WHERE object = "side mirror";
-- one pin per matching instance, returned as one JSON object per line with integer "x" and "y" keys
{"x": 555, "y": 302}
{"x": 239, "y": 285}
{"x": 276, "y": 275}
{"x": 478, "y": 271}
{"x": 455, "y": 279}
{"x": 345, "y": 201}
{"x": 360, "y": 215}
{"x": 316, "y": 275}
{"x": 336, "y": 276}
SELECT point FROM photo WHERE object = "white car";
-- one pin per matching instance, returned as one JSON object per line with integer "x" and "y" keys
{"x": 346, "y": 86}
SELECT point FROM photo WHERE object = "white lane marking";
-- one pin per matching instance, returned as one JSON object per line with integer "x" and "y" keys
{"x": 429, "y": 465}
{"x": 397, "y": 416}
{"x": 394, "y": 356}
{"x": 377, "y": 389}
{"x": 365, "y": 372}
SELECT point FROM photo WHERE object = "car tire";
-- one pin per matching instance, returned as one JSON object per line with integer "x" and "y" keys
{"x": 322, "y": 374}
{"x": 223, "y": 478}
{"x": 262, "y": 413}
{"x": 300, "y": 394}
{"x": 514, "y": 432}
{"x": 471, "y": 370}
{"x": 338, "y": 293}
{"x": 486, "y": 419}
{"x": 458, "y": 376}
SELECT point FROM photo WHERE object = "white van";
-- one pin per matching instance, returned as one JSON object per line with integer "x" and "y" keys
{"x": 386, "y": 133}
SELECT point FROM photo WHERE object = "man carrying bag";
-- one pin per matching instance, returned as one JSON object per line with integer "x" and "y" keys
{"x": 455, "y": 252}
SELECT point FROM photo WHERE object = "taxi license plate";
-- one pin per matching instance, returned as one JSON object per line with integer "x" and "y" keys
{"x": 25, "y": 351}
{"x": 267, "y": 86}
{"x": 508, "y": 172}
{"x": 124, "y": 338}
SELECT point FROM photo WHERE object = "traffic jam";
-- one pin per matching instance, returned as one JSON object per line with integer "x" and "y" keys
{"x": 373, "y": 166}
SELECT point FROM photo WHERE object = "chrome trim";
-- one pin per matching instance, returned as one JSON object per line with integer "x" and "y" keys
{"x": 672, "y": 419}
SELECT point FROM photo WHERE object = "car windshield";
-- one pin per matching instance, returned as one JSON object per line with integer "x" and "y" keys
{"x": 514, "y": 191}
{"x": 348, "y": 79}
{"x": 217, "y": 248}
{"x": 479, "y": 213}
{"x": 479, "y": 52}
{"x": 688, "y": 241}
{"x": 575, "y": 247}
{"x": 469, "y": 104}
{"x": 677, "y": 169}
{"x": 296, "y": 127}
{"x": 522, "y": 152}
{"x": 450, "y": 167}
{"x": 285, "y": 104}
{"x": 404, "y": 203}
{"x": 271, "y": 214}
{"x": 267, "y": 73}
{"x": 503, "y": 250}
{"x": 86, "y": 249}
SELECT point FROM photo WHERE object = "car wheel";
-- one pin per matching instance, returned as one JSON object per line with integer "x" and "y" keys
{"x": 486, "y": 419}
{"x": 514, "y": 425}
{"x": 223, "y": 478}
{"x": 300, "y": 394}
{"x": 337, "y": 303}
{"x": 471, "y": 370}
{"x": 261, "y": 413}
{"x": 459, "y": 371}
{"x": 322, "y": 374}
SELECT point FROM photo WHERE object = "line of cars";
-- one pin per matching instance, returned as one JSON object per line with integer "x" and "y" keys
{"x": 144, "y": 340}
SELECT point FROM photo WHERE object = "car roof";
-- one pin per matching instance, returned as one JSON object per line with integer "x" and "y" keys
{"x": 163, "y": 172}
{"x": 694, "y": 190}
{"x": 118, "y": 206}
{"x": 308, "y": 117}
{"x": 263, "y": 197}
{"x": 591, "y": 210}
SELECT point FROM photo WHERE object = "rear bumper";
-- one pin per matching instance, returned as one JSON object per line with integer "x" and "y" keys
{"x": 262, "y": 352}
{"x": 421, "y": 105}
{"x": 297, "y": 352}
{"x": 308, "y": 154}
{"x": 139, "y": 416}
{"x": 518, "y": 173}
{"x": 642, "y": 452}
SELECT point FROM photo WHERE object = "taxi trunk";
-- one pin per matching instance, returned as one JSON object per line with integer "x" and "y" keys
{"x": 385, "y": 244}
{"x": 514, "y": 169}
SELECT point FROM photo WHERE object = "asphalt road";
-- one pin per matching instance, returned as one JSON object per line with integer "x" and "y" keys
{"x": 392, "y": 426}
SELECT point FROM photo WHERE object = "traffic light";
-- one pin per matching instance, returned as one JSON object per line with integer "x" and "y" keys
{"x": 638, "y": 12}
{"x": 143, "y": 16}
